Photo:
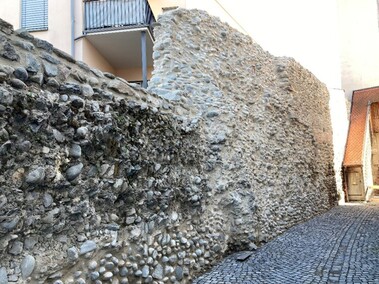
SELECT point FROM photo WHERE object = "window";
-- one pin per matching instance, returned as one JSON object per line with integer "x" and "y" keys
{"x": 34, "y": 15}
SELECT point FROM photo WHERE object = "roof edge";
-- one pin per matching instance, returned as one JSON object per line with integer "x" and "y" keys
{"x": 353, "y": 165}
{"x": 365, "y": 89}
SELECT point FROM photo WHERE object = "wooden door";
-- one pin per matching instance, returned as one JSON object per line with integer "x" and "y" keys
{"x": 355, "y": 184}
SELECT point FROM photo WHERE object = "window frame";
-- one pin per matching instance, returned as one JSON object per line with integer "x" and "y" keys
{"x": 34, "y": 18}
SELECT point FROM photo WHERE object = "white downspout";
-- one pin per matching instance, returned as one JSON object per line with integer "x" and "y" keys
{"x": 73, "y": 28}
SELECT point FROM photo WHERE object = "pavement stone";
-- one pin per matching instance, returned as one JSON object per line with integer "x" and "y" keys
{"x": 339, "y": 246}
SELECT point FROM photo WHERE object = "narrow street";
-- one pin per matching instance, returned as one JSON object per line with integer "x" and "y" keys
{"x": 339, "y": 246}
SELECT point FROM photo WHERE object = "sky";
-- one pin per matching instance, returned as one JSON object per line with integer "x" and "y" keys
{"x": 303, "y": 29}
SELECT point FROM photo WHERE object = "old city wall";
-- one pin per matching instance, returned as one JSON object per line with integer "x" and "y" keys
{"x": 269, "y": 156}
{"x": 103, "y": 181}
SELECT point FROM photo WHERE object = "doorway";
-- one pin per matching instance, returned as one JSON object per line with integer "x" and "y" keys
{"x": 355, "y": 183}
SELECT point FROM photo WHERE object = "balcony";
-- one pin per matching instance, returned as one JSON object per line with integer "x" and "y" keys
{"x": 121, "y": 32}
{"x": 102, "y": 15}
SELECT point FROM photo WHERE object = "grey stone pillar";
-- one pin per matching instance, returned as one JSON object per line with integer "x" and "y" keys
{"x": 144, "y": 60}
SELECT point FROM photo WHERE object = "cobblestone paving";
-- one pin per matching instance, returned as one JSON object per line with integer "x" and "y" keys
{"x": 340, "y": 246}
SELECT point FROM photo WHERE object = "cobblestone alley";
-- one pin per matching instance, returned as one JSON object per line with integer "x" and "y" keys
{"x": 340, "y": 246}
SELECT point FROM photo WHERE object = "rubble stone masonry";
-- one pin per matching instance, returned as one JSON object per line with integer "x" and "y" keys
{"x": 104, "y": 182}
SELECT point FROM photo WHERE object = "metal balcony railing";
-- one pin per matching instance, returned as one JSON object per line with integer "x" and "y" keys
{"x": 116, "y": 14}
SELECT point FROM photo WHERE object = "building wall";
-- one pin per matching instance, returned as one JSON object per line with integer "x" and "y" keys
{"x": 59, "y": 25}
{"x": 59, "y": 21}
{"x": 133, "y": 74}
{"x": 79, "y": 21}
{"x": 367, "y": 153}
{"x": 88, "y": 53}
{"x": 375, "y": 160}
{"x": 11, "y": 12}
{"x": 359, "y": 44}
{"x": 340, "y": 123}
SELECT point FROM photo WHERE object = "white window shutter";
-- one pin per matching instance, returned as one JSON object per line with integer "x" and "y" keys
{"x": 34, "y": 15}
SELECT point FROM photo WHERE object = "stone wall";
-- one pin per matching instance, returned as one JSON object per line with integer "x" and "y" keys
{"x": 103, "y": 182}
{"x": 269, "y": 156}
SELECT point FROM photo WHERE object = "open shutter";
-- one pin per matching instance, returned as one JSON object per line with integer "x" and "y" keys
{"x": 34, "y": 15}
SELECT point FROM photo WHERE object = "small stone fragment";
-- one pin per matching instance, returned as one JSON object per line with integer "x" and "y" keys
{"x": 6, "y": 27}
{"x": 9, "y": 52}
{"x": 168, "y": 270}
{"x": 30, "y": 242}
{"x": 145, "y": 271}
{"x": 50, "y": 70}
{"x": 243, "y": 256}
{"x": 82, "y": 132}
{"x": 74, "y": 171}
{"x": 3, "y": 276}
{"x": 11, "y": 224}
{"x": 72, "y": 253}
{"x": 83, "y": 65}
{"x": 50, "y": 58}
{"x": 24, "y": 146}
{"x": 97, "y": 72}
{"x": 43, "y": 44}
{"x": 3, "y": 77}
{"x": 87, "y": 90}
{"x": 174, "y": 216}
{"x": 94, "y": 275}
{"x": 64, "y": 55}
{"x": 32, "y": 65}
{"x": 109, "y": 75}
{"x": 92, "y": 265}
{"x": 119, "y": 86}
{"x": 21, "y": 73}
{"x": 216, "y": 248}
{"x": 36, "y": 176}
{"x": 179, "y": 273}
{"x": 87, "y": 246}
{"x": 123, "y": 271}
{"x": 25, "y": 45}
{"x": 52, "y": 82}
{"x": 58, "y": 135}
{"x": 109, "y": 265}
{"x": 38, "y": 78}
{"x": 75, "y": 151}
{"x": 77, "y": 102}
{"x": 23, "y": 33}
{"x": 47, "y": 199}
{"x": 16, "y": 248}
{"x": 70, "y": 88}
{"x": 17, "y": 83}
{"x": 158, "y": 272}
{"x": 107, "y": 275}
{"x": 6, "y": 98}
{"x": 27, "y": 266}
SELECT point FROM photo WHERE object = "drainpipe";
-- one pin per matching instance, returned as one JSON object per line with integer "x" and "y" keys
{"x": 73, "y": 28}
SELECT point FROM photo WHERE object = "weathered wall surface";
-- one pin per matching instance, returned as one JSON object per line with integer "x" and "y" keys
{"x": 92, "y": 187}
{"x": 269, "y": 160}
{"x": 103, "y": 182}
